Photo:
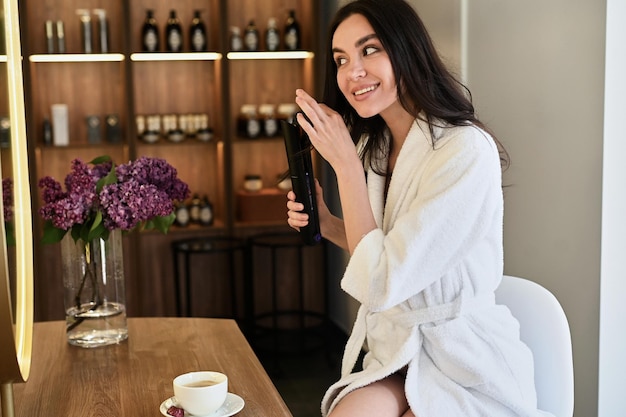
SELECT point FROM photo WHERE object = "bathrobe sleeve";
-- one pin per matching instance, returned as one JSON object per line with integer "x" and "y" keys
{"x": 440, "y": 203}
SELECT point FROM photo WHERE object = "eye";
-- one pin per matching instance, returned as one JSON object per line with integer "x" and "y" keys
{"x": 340, "y": 60}
{"x": 368, "y": 50}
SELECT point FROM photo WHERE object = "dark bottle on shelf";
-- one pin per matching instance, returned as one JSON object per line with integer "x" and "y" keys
{"x": 194, "y": 209}
{"x": 47, "y": 132}
{"x": 197, "y": 33}
{"x": 251, "y": 37}
{"x": 236, "y": 43}
{"x": 182, "y": 214}
{"x": 206, "y": 212}
{"x": 173, "y": 33}
{"x": 292, "y": 32}
{"x": 272, "y": 36}
{"x": 150, "y": 33}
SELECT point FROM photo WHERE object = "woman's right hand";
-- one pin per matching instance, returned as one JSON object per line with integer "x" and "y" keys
{"x": 296, "y": 219}
{"x": 331, "y": 227}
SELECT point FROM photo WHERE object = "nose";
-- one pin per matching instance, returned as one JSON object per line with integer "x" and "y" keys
{"x": 356, "y": 70}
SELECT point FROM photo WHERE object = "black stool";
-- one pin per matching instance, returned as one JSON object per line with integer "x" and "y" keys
{"x": 206, "y": 246}
{"x": 268, "y": 248}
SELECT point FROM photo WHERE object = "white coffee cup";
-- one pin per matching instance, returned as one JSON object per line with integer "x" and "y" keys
{"x": 201, "y": 393}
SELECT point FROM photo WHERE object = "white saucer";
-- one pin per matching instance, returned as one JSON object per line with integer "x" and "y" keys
{"x": 233, "y": 404}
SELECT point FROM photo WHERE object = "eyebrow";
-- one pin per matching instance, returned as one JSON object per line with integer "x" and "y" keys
{"x": 359, "y": 42}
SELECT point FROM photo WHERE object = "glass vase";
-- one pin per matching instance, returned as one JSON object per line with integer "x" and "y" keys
{"x": 93, "y": 280}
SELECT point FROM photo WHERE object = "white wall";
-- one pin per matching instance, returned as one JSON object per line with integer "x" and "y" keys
{"x": 613, "y": 262}
{"x": 536, "y": 69}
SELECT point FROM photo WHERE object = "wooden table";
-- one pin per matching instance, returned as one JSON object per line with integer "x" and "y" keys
{"x": 133, "y": 378}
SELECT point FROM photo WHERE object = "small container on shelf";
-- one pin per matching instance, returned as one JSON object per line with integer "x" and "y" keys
{"x": 113, "y": 130}
{"x": 93, "y": 129}
{"x": 173, "y": 34}
{"x": 251, "y": 37}
{"x": 283, "y": 182}
{"x": 172, "y": 129}
{"x": 204, "y": 132}
{"x": 253, "y": 183}
{"x": 47, "y": 132}
{"x": 194, "y": 209}
{"x": 292, "y": 32}
{"x": 182, "y": 214}
{"x": 49, "y": 36}
{"x": 206, "y": 212}
{"x": 236, "y": 43}
{"x": 103, "y": 30}
{"x": 150, "y": 33}
{"x": 286, "y": 112}
{"x": 87, "y": 36}
{"x": 272, "y": 36}
{"x": 248, "y": 124}
{"x": 197, "y": 33}
{"x": 186, "y": 125}
{"x": 152, "y": 132}
{"x": 267, "y": 114}
{"x": 60, "y": 37}
{"x": 140, "y": 125}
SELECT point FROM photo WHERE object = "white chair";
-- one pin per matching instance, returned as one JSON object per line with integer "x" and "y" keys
{"x": 544, "y": 328}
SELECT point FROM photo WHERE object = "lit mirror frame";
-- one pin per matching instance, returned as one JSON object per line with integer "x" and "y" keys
{"x": 16, "y": 329}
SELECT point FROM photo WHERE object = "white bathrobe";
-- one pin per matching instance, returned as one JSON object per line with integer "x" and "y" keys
{"x": 425, "y": 279}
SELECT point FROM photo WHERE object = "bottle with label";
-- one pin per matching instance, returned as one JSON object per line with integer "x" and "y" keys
{"x": 251, "y": 37}
{"x": 292, "y": 32}
{"x": 173, "y": 34}
{"x": 182, "y": 214}
{"x": 236, "y": 43}
{"x": 47, "y": 132}
{"x": 267, "y": 114}
{"x": 272, "y": 36}
{"x": 150, "y": 33}
{"x": 197, "y": 33}
{"x": 194, "y": 209}
{"x": 87, "y": 36}
{"x": 206, "y": 212}
{"x": 103, "y": 30}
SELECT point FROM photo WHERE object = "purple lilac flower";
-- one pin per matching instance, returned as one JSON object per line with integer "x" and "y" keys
{"x": 66, "y": 209}
{"x": 7, "y": 199}
{"x": 144, "y": 190}
{"x": 127, "y": 204}
{"x": 154, "y": 171}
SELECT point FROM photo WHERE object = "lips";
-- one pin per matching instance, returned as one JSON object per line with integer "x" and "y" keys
{"x": 365, "y": 90}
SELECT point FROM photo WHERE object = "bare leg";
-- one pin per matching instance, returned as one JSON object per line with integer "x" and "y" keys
{"x": 384, "y": 398}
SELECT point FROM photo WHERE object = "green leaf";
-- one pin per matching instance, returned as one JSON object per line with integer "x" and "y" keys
{"x": 51, "y": 234}
{"x": 97, "y": 228}
{"x": 9, "y": 231}
{"x": 110, "y": 178}
{"x": 163, "y": 223}
{"x": 100, "y": 159}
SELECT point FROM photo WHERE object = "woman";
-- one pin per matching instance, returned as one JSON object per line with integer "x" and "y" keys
{"x": 419, "y": 180}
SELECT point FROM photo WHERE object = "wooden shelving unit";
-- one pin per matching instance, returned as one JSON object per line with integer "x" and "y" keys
{"x": 127, "y": 82}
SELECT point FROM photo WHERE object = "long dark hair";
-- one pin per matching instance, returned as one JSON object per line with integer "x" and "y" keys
{"x": 424, "y": 83}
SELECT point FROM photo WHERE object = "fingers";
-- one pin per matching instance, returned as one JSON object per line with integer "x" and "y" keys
{"x": 295, "y": 218}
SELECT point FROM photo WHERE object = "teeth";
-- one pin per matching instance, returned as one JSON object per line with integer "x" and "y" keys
{"x": 365, "y": 90}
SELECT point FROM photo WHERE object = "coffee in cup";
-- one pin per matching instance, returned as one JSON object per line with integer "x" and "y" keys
{"x": 201, "y": 392}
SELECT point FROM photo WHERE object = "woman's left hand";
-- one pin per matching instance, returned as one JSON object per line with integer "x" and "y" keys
{"x": 327, "y": 131}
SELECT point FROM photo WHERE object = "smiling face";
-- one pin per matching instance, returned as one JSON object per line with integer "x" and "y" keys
{"x": 364, "y": 72}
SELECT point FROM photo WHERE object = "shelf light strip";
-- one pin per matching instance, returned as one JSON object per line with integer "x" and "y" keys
{"x": 76, "y": 58}
{"x": 176, "y": 56}
{"x": 271, "y": 55}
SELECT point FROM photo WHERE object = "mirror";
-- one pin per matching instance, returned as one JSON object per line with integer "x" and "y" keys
{"x": 16, "y": 248}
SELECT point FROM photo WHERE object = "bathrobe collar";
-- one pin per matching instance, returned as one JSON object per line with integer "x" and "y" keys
{"x": 417, "y": 144}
